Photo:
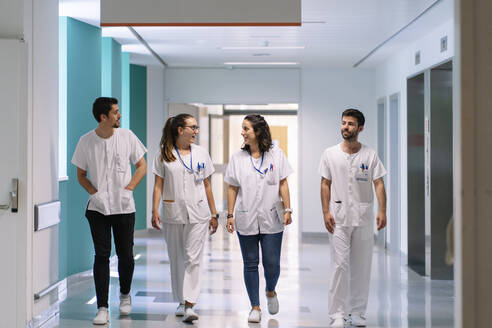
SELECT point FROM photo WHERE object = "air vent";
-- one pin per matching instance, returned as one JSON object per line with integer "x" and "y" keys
{"x": 444, "y": 43}
{"x": 417, "y": 58}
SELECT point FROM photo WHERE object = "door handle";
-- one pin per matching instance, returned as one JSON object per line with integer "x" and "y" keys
{"x": 14, "y": 199}
{"x": 14, "y": 195}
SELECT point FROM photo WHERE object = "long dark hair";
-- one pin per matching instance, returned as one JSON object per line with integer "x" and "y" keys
{"x": 170, "y": 135}
{"x": 262, "y": 131}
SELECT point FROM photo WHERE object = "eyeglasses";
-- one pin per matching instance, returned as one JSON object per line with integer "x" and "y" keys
{"x": 193, "y": 127}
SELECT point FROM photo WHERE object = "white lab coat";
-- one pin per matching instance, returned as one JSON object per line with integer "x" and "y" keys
{"x": 185, "y": 213}
{"x": 108, "y": 162}
{"x": 258, "y": 195}
{"x": 351, "y": 204}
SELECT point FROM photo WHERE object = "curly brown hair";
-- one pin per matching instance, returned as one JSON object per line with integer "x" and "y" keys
{"x": 262, "y": 131}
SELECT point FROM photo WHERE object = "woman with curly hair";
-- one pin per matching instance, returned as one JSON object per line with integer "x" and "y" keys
{"x": 258, "y": 208}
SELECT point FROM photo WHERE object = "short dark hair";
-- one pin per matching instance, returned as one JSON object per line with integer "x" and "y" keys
{"x": 355, "y": 113}
{"x": 102, "y": 105}
{"x": 262, "y": 131}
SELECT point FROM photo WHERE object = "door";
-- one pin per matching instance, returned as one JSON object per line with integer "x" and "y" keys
{"x": 381, "y": 235}
{"x": 13, "y": 145}
{"x": 394, "y": 173}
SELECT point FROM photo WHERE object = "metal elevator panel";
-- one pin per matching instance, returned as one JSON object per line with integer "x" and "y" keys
{"x": 416, "y": 173}
{"x": 441, "y": 166}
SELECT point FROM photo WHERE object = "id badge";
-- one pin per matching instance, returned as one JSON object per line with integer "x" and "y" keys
{"x": 199, "y": 176}
{"x": 362, "y": 176}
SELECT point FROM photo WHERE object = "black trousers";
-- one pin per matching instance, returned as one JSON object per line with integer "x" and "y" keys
{"x": 123, "y": 226}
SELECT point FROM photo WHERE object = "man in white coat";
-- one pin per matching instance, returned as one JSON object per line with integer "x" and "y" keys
{"x": 103, "y": 158}
{"x": 348, "y": 171}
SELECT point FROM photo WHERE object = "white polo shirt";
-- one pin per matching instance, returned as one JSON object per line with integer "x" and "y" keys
{"x": 183, "y": 192}
{"x": 351, "y": 176}
{"x": 107, "y": 162}
{"x": 258, "y": 194}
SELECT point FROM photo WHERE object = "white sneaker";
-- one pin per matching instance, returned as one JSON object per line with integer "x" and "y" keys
{"x": 190, "y": 315}
{"x": 272, "y": 304}
{"x": 254, "y": 316}
{"x": 357, "y": 320}
{"x": 180, "y": 310}
{"x": 102, "y": 316}
{"x": 338, "y": 323}
{"x": 125, "y": 304}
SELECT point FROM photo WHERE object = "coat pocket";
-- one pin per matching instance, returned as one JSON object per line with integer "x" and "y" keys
{"x": 169, "y": 208}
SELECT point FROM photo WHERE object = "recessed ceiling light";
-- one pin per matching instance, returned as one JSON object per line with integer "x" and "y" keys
{"x": 265, "y": 36}
{"x": 313, "y": 22}
{"x": 263, "y": 48}
{"x": 260, "y": 63}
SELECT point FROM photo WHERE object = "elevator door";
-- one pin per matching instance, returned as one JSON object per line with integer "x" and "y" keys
{"x": 416, "y": 173}
{"x": 441, "y": 166}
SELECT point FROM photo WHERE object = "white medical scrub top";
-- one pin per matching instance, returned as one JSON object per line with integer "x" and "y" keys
{"x": 351, "y": 176}
{"x": 258, "y": 194}
{"x": 183, "y": 192}
{"x": 107, "y": 161}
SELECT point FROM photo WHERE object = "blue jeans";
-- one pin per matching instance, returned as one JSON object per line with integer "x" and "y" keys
{"x": 271, "y": 244}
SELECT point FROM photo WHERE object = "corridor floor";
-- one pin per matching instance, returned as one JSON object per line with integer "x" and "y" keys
{"x": 398, "y": 297}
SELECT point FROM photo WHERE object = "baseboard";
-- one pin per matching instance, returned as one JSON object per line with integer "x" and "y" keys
{"x": 41, "y": 319}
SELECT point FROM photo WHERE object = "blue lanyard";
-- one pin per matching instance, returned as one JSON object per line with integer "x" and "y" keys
{"x": 191, "y": 160}
{"x": 258, "y": 169}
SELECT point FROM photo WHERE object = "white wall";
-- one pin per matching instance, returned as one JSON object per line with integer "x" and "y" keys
{"x": 156, "y": 113}
{"x": 391, "y": 77}
{"x": 41, "y": 35}
{"x": 236, "y": 86}
{"x": 325, "y": 94}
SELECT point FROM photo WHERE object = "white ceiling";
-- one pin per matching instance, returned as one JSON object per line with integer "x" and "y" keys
{"x": 334, "y": 33}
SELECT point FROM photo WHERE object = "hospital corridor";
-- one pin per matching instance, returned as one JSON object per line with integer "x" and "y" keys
{"x": 245, "y": 163}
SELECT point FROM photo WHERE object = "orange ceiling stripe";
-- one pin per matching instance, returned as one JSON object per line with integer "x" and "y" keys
{"x": 203, "y": 24}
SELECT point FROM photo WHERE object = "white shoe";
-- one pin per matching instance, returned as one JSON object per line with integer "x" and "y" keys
{"x": 254, "y": 316}
{"x": 125, "y": 304}
{"x": 180, "y": 310}
{"x": 272, "y": 304}
{"x": 357, "y": 320}
{"x": 338, "y": 323}
{"x": 190, "y": 315}
{"x": 102, "y": 316}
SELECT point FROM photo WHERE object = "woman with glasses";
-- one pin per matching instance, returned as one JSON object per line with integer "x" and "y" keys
{"x": 182, "y": 180}
{"x": 258, "y": 194}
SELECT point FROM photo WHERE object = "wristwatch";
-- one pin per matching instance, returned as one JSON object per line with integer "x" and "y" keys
{"x": 288, "y": 210}
{"x": 230, "y": 215}
{"x": 216, "y": 216}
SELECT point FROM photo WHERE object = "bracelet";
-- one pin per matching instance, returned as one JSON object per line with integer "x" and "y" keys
{"x": 216, "y": 216}
{"x": 288, "y": 210}
{"x": 229, "y": 215}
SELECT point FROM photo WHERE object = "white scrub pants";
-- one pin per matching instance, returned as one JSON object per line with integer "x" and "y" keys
{"x": 351, "y": 258}
{"x": 185, "y": 248}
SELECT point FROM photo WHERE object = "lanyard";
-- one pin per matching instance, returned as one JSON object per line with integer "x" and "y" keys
{"x": 191, "y": 160}
{"x": 261, "y": 163}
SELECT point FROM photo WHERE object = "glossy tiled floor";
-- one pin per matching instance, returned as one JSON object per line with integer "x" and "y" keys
{"x": 399, "y": 297}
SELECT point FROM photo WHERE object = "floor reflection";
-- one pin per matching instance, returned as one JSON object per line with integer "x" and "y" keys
{"x": 399, "y": 297}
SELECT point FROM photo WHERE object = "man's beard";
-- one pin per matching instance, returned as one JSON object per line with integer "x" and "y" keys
{"x": 116, "y": 125}
{"x": 350, "y": 136}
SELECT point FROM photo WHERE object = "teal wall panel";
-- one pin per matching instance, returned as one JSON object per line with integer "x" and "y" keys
{"x": 125, "y": 90}
{"x": 111, "y": 69}
{"x": 83, "y": 85}
{"x": 138, "y": 124}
